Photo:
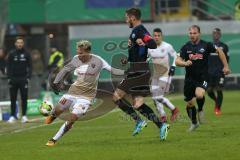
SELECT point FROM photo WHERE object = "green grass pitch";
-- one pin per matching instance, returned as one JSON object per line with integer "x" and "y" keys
{"x": 109, "y": 137}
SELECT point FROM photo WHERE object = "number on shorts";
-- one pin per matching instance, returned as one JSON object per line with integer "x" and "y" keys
{"x": 63, "y": 101}
{"x": 204, "y": 84}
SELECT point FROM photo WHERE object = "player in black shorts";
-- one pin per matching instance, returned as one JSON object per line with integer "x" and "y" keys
{"x": 137, "y": 78}
{"x": 215, "y": 73}
{"x": 194, "y": 57}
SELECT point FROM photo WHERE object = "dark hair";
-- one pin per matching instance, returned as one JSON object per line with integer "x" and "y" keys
{"x": 196, "y": 26}
{"x": 136, "y": 12}
{"x": 19, "y": 37}
{"x": 157, "y": 30}
{"x": 216, "y": 30}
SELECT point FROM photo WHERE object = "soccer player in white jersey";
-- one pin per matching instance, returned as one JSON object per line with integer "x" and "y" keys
{"x": 87, "y": 68}
{"x": 162, "y": 73}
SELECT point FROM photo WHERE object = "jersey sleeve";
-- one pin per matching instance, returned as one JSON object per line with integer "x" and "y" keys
{"x": 182, "y": 52}
{"x": 109, "y": 68}
{"x": 211, "y": 48}
{"x": 226, "y": 51}
{"x": 172, "y": 53}
{"x": 147, "y": 39}
{"x": 9, "y": 64}
{"x": 105, "y": 64}
{"x": 66, "y": 69}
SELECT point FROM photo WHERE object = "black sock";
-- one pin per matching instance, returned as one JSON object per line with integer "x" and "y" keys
{"x": 219, "y": 98}
{"x": 126, "y": 107}
{"x": 149, "y": 114}
{"x": 212, "y": 95}
{"x": 192, "y": 114}
{"x": 200, "y": 103}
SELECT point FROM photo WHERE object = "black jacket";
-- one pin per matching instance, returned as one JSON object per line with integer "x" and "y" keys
{"x": 19, "y": 65}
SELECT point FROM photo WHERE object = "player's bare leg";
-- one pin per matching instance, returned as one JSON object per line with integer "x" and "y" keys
{"x": 64, "y": 129}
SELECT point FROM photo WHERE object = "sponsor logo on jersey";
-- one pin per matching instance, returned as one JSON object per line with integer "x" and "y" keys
{"x": 195, "y": 56}
{"x": 213, "y": 54}
{"x": 189, "y": 51}
{"x": 202, "y": 50}
{"x": 93, "y": 65}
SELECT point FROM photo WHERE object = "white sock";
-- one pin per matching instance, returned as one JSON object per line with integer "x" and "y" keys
{"x": 160, "y": 108}
{"x": 61, "y": 131}
{"x": 167, "y": 103}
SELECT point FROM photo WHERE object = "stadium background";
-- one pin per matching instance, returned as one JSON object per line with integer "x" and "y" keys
{"x": 102, "y": 22}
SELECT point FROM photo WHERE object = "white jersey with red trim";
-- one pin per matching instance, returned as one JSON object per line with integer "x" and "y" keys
{"x": 160, "y": 58}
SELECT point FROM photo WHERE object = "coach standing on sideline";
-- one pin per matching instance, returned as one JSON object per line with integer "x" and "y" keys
{"x": 19, "y": 70}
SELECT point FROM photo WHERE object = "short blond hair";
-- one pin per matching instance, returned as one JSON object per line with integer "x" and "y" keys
{"x": 85, "y": 44}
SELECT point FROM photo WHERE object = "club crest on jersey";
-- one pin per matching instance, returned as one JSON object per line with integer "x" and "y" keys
{"x": 195, "y": 56}
{"x": 202, "y": 50}
{"x": 133, "y": 35}
{"x": 93, "y": 65}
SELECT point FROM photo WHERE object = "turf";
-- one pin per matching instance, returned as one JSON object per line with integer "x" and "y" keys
{"x": 109, "y": 137}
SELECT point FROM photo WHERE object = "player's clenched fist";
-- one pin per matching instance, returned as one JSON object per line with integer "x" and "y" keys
{"x": 188, "y": 63}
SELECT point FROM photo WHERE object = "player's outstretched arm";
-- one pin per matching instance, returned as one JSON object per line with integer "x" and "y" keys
{"x": 66, "y": 69}
{"x": 181, "y": 63}
{"x": 114, "y": 71}
{"x": 223, "y": 58}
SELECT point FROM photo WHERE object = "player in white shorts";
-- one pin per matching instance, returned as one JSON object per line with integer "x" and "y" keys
{"x": 87, "y": 68}
{"x": 162, "y": 74}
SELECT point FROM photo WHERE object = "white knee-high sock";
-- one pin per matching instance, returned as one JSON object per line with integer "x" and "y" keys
{"x": 64, "y": 128}
{"x": 160, "y": 108}
{"x": 167, "y": 103}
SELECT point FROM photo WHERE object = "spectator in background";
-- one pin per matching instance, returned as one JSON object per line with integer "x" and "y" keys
{"x": 56, "y": 59}
{"x": 19, "y": 70}
{"x": 55, "y": 63}
{"x": 37, "y": 62}
{"x": 2, "y": 61}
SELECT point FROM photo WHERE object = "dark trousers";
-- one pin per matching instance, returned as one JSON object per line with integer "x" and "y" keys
{"x": 22, "y": 85}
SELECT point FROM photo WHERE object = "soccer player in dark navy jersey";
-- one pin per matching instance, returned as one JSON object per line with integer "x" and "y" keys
{"x": 194, "y": 57}
{"x": 215, "y": 73}
{"x": 140, "y": 41}
{"x": 136, "y": 82}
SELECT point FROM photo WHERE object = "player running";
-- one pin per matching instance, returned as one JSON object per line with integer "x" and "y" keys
{"x": 87, "y": 68}
{"x": 137, "y": 79}
{"x": 194, "y": 57}
{"x": 215, "y": 74}
{"x": 162, "y": 74}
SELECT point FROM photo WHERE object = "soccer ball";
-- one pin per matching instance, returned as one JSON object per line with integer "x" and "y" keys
{"x": 45, "y": 108}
